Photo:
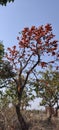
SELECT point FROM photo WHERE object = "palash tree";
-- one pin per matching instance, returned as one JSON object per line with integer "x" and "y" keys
{"x": 34, "y": 44}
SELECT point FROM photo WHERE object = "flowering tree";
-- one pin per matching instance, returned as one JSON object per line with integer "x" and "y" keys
{"x": 36, "y": 47}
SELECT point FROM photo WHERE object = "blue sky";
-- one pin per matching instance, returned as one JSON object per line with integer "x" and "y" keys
{"x": 25, "y": 13}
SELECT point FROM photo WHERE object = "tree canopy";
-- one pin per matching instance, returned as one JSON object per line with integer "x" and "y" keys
{"x": 35, "y": 49}
{"x": 49, "y": 88}
{"x": 4, "y": 2}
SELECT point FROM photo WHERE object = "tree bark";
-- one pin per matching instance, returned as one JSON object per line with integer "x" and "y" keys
{"x": 22, "y": 121}
{"x": 23, "y": 124}
{"x": 56, "y": 113}
{"x": 50, "y": 114}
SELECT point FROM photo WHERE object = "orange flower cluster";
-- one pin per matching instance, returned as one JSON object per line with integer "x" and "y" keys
{"x": 36, "y": 41}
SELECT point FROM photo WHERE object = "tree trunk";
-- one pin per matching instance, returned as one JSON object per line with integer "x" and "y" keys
{"x": 22, "y": 121}
{"x": 49, "y": 118}
{"x": 56, "y": 113}
{"x": 50, "y": 114}
{"x": 23, "y": 124}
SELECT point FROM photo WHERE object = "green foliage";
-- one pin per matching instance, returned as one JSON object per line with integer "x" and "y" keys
{"x": 25, "y": 99}
{"x": 6, "y": 70}
{"x": 49, "y": 88}
{"x": 1, "y": 51}
{"x": 10, "y": 96}
{"x": 4, "y": 2}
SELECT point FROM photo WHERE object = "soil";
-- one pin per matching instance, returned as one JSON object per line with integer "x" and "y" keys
{"x": 36, "y": 120}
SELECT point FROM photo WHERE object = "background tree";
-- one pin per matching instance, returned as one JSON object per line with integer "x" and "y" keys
{"x": 4, "y": 2}
{"x": 1, "y": 61}
{"x": 1, "y": 51}
{"x": 34, "y": 44}
{"x": 49, "y": 89}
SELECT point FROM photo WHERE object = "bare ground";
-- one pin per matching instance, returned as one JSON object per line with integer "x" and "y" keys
{"x": 37, "y": 120}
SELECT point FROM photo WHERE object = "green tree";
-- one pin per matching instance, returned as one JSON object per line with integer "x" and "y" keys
{"x": 33, "y": 45}
{"x": 4, "y": 2}
{"x": 49, "y": 89}
{"x": 1, "y": 61}
{"x": 1, "y": 51}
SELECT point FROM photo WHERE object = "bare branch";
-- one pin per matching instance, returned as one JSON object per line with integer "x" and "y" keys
{"x": 27, "y": 62}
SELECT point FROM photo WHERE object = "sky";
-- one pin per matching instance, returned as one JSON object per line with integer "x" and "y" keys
{"x": 25, "y": 13}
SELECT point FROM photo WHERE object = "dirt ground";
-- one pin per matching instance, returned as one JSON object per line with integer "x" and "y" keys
{"x": 37, "y": 120}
